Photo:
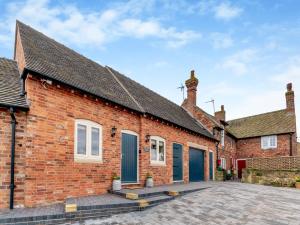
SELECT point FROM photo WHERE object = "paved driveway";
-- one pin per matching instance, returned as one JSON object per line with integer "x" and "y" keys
{"x": 224, "y": 203}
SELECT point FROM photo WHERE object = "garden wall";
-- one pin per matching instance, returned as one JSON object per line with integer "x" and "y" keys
{"x": 280, "y": 178}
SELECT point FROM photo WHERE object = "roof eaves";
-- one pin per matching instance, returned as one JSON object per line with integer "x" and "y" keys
{"x": 33, "y": 72}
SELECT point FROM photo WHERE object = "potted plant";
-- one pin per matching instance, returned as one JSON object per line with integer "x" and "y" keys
{"x": 149, "y": 180}
{"x": 297, "y": 184}
{"x": 116, "y": 182}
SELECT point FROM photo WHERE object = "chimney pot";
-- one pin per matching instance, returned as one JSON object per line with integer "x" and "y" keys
{"x": 192, "y": 74}
{"x": 222, "y": 108}
{"x": 289, "y": 87}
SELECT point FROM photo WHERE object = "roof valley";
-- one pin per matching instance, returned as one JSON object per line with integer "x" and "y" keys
{"x": 125, "y": 89}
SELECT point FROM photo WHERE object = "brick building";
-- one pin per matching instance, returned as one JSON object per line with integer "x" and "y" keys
{"x": 265, "y": 135}
{"x": 69, "y": 124}
{"x": 78, "y": 123}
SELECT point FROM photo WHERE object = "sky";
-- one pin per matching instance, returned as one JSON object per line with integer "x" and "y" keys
{"x": 243, "y": 52}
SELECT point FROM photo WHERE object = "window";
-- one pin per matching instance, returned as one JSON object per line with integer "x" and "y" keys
{"x": 158, "y": 150}
{"x": 88, "y": 141}
{"x": 222, "y": 138}
{"x": 268, "y": 142}
{"x": 223, "y": 163}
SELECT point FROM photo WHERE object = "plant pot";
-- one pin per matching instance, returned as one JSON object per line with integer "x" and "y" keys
{"x": 297, "y": 185}
{"x": 116, "y": 185}
{"x": 149, "y": 182}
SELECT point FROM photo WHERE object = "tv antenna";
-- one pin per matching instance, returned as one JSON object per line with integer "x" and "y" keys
{"x": 213, "y": 103}
{"x": 182, "y": 90}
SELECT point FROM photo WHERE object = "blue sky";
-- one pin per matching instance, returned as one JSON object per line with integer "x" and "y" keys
{"x": 244, "y": 52}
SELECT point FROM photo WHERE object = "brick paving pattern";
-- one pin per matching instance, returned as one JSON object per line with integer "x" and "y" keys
{"x": 224, "y": 203}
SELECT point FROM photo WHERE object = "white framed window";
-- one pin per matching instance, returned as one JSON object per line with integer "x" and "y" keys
{"x": 157, "y": 150}
{"x": 88, "y": 141}
{"x": 268, "y": 142}
{"x": 222, "y": 138}
{"x": 223, "y": 163}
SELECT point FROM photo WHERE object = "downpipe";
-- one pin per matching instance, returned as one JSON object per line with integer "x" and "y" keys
{"x": 12, "y": 158}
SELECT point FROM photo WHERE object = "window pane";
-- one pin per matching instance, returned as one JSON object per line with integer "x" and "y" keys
{"x": 81, "y": 139}
{"x": 265, "y": 142}
{"x": 95, "y": 141}
{"x": 161, "y": 151}
{"x": 153, "y": 150}
{"x": 272, "y": 141}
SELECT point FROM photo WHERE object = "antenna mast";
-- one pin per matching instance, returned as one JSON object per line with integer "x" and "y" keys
{"x": 182, "y": 90}
{"x": 213, "y": 103}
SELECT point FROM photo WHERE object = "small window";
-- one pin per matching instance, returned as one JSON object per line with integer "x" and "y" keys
{"x": 158, "y": 150}
{"x": 222, "y": 138}
{"x": 88, "y": 141}
{"x": 223, "y": 163}
{"x": 268, "y": 142}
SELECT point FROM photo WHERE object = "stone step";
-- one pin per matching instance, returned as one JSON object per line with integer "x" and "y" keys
{"x": 141, "y": 194}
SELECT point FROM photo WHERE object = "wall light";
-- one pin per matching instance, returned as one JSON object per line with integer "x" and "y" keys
{"x": 113, "y": 131}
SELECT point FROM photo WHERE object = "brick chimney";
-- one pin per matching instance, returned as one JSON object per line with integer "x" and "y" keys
{"x": 220, "y": 115}
{"x": 290, "y": 98}
{"x": 191, "y": 85}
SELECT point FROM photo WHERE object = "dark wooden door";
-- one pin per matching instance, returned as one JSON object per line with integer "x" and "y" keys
{"x": 177, "y": 162}
{"x": 196, "y": 165}
{"x": 129, "y": 158}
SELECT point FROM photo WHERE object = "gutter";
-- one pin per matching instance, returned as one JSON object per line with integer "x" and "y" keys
{"x": 12, "y": 157}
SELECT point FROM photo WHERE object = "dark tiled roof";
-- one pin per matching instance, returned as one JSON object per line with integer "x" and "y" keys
{"x": 277, "y": 122}
{"x": 159, "y": 106}
{"x": 54, "y": 60}
{"x": 10, "y": 84}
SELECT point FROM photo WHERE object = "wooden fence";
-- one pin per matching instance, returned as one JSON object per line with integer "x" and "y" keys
{"x": 274, "y": 163}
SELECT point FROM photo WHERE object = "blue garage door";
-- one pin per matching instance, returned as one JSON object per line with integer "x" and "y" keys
{"x": 129, "y": 158}
{"x": 177, "y": 162}
{"x": 196, "y": 165}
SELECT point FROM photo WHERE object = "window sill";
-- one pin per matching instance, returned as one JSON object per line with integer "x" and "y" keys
{"x": 273, "y": 148}
{"x": 157, "y": 164}
{"x": 87, "y": 160}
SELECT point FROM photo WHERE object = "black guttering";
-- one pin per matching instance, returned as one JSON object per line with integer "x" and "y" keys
{"x": 33, "y": 72}
{"x": 12, "y": 159}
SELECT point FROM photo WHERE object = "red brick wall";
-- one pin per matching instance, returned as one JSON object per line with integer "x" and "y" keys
{"x": 5, "y": 153}
{"x": 251, "y": 147}
{"x": 46, "y": 171}
{"x": 228, "y": 151}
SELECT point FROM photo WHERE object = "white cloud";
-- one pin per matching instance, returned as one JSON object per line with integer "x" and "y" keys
{"x": 226, "y": 11}
{"x": 68, "y": 24}
{"x": 239, "y": 62}
{"x": 220, "y": 40}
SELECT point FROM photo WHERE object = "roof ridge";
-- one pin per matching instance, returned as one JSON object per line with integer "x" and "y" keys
{"x": 261, "y": 114}
{"x": 125, "y": 89}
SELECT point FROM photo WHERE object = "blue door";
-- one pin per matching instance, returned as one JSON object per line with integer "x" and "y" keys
{"x": 211, "y": 165}
{"x": 129, "y": 158}
{"x": 177, "y": 162}
{"x": 196, "y": 165}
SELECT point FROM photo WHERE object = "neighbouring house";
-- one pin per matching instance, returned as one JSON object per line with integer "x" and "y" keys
{"x": 69, "y": 124}
{"x": 265, "y": 135}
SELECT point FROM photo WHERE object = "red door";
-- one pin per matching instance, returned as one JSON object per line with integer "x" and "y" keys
{"x": 241, "y": 165}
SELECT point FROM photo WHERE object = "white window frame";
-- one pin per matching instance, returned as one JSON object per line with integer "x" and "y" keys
{"x": 223, "y": 163}
{"x": 157, "y": 162}
{"x": 223, "y": 138}
{"x": 88, "y": 157}
{"x": 269, "y": 143}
